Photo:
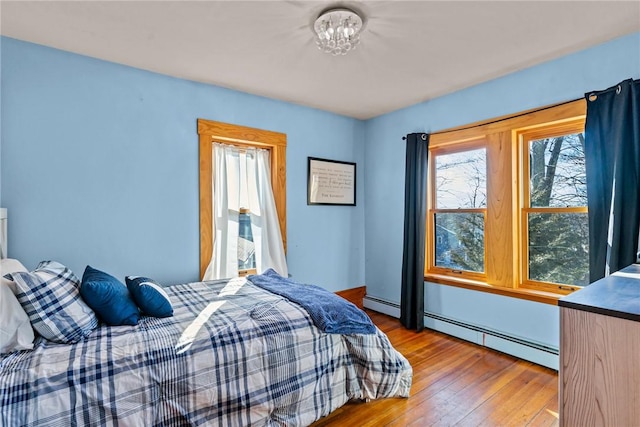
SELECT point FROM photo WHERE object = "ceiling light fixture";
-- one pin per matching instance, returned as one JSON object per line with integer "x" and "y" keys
{"x": 338, "y": 30}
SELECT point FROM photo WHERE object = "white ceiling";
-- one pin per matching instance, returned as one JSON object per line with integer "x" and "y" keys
{"x": 410, "y": 51}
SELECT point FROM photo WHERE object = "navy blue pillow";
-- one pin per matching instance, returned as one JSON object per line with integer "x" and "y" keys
{"x": 150, "y": 297}
{"x": 109, "y": 298}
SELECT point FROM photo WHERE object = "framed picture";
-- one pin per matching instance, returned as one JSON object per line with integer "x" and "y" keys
{"x": 331, "y": 182}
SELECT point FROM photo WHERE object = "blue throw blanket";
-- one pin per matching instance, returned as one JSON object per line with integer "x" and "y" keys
{"x": 329, "y": 312}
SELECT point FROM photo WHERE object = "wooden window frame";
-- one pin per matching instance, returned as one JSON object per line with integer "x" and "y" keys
{"x": 432, "y": 210}
{"x": 503, "y": 220}
{"x": 211, "y": 131}
{"x": 524, "y": 137}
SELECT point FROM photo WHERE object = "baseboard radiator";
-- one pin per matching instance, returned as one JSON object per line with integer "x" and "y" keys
{"x": 515, "y": 346}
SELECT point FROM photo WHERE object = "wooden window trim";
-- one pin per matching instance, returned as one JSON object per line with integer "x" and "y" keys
{"x": 243, "y": 273}
{"x": 526, "y": 294}
{"x": 504, "y": 164}
{"x": 524, "y": 137}
{"x": 530, "y": 119}
{"x": 211, "y": 131}
{"x": 432, "y": 210}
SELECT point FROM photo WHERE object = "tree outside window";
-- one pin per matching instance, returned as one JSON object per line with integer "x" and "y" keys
{"x": 460, "y": 205}
{"x": 556, "y": 215}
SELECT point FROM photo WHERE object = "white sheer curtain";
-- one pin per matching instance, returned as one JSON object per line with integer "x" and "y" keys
{"x": 265, "y": 226}
{"x": 242, "y": 178}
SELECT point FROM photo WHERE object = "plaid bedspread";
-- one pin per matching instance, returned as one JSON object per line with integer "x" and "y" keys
{"x": 232, "y": 355}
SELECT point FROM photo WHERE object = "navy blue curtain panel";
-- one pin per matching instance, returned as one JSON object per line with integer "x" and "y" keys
{"x": 612, "y": 159}
{"x": 415, "y": 216}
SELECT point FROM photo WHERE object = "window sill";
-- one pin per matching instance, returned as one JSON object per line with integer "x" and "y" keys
{"x": 527, "y": 294}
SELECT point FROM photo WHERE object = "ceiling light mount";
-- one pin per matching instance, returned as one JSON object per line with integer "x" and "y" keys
{"x": 338, "y": 30}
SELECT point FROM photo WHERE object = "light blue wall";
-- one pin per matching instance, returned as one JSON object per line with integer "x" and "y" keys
{"x": 560, "y": 80}
{"x": 100, "y": 166}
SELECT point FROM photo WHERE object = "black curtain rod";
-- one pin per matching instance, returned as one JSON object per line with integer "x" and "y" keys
{"x": 423, "y": 138}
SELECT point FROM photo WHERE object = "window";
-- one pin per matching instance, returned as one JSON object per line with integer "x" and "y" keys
{"x": 211, "y": 132}
{"x": 507, "y": 209}
{"x": 246, "y": 246}
{"x": 555, "y": 229}
{"x": 237, "y": 209}
{"x": 459, "y": 208}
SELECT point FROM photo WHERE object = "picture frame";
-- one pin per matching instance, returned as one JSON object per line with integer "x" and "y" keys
{"x": 331, "y": 182}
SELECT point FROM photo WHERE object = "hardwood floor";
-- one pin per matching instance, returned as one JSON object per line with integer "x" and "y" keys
{"x": 457, "y": 383}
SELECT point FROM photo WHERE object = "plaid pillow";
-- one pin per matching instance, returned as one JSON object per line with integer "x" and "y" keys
{"x": 50, "y": 296}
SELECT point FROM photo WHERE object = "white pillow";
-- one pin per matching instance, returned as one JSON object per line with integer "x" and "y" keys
{"x": 16, "y": 332}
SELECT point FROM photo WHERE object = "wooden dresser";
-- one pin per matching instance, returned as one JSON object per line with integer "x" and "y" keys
{"x": 600, "y": 353}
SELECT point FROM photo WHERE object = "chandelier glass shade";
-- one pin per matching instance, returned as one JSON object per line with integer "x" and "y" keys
{"x": 338, "y": 31}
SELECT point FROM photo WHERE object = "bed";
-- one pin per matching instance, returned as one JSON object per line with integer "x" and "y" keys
{"x": 233, "y": 354}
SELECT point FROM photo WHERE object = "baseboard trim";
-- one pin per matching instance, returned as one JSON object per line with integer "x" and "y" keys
{"x": 515, "y": 346}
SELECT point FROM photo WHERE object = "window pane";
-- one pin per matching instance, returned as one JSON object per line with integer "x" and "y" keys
{"x": 246, "y": 247}
{"x": 558, "y": 176}
{"x": 460, "y": 241}
{"x": 461, "y": 179}
{"x": 559, "y": 248}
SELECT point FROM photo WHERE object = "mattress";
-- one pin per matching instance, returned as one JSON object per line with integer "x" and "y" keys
{"x": 233, "y": 354}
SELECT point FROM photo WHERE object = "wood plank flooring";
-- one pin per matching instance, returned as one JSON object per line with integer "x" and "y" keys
{"x": 457, "y": 383}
